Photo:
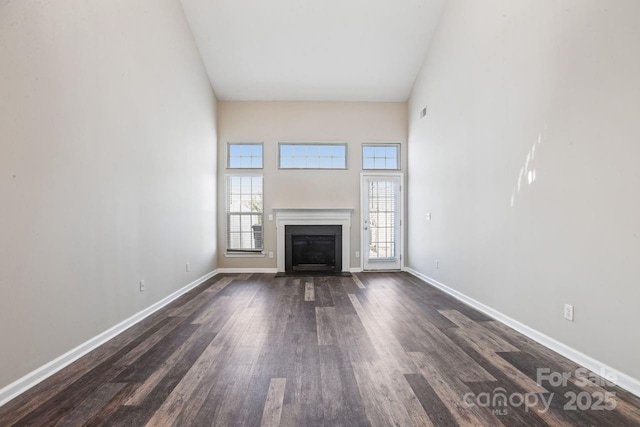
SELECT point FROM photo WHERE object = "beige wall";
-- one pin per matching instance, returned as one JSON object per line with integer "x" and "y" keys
{"x": 552, "y": 88}
{"x": 273, "y": 122}
{"x": 108, "y": 160}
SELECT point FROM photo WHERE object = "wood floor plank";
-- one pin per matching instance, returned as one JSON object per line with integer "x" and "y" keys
{"x": 192, "y": 391}
{"x": 273, "y": 405}
{"x": 157, "y": 394}
{"x": 304, "y": 388}
{"x": 212, "y": 312}
{"x": 54, "y": 409}
{"x": 382, "y": 405}
{"x": 309, "y": 292}
{"x": 200, "y": 299}
{"x": 323, "y": 294}
{"x": 499, "y": 362}
{"x": 450, "y": 390}
{"x": 352, "y": 336}
{"x": 374, "y": 349}
{"x": 223, "y": 404}
{"x": 384, "y": 340}
{"x": 476, "y": 333}
{"x": 439, "y": 299}
{"x": 147, "y": 344}
{"x": 104, "y": 416}
{"x": 621, "y": 417}
{"x": 253, "y": 405}
{"x": 177, "y": 357}
{"x": 530, "y": 415}
{"x": 92, "y": 405}
{"x": 435, "y": 409}
{"x": 417, "y": 333}
{"x": 442, "y": 350}
{"x": 326, "y": 325}
{"x": 341, "y": 398}
{"x": 358, "y": 282}
{"x": 29, "y": 401}
{"x": 626, "y": 404}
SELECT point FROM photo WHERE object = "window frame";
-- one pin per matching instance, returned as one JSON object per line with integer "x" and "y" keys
{"x": 382, "y": 144}
{"x": 234, "y": 252}
{"x": 229, "y": 144}
{"x": 342, "y": 144}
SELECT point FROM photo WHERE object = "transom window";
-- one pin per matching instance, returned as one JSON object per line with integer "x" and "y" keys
{"x": 381, "y": 156}
{"x": 244, "y": 213}
{"x": 313, "y": 156}
{"x": 244, "y": 156}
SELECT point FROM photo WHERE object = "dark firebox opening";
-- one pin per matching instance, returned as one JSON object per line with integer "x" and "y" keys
{"x": 313, "y": 248}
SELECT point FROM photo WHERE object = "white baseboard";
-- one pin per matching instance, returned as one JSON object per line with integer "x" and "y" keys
{"x": 623, "y": 380}
{"x": 21, "y": 385}
{"x": 248, "y": 270}
{"x": 267, "y": 270}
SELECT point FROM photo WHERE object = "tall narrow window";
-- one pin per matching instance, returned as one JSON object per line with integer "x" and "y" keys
{"x": 244, "y": 213}
{"x": 244, "y": 156}
{"x": 313, "y": 156}
{"x": 381, "y": 156}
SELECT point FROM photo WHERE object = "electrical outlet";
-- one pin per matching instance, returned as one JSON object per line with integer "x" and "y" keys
{"x": 270, "y": 217}
{"x": 427, "y": 216}
{"x": 186, "y": 268}
{"x": 568, "y": 312}
{"x": 437, "y": 264}
{"x": 270, "y": 254}
{"x": 141, "y": 285}
{"x": 357, "y": 254}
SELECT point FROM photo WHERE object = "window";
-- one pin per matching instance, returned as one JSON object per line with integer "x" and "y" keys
{"x": 244, "y": 213}
{"x": 244, "y": 156}
{"x": 381, "y": 156}
{"x": 313, "y": 156}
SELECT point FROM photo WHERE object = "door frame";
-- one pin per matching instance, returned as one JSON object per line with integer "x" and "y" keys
{"x": 363, "y": 192}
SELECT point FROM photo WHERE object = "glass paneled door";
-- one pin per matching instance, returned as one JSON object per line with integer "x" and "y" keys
{"x": 381, "y": 221}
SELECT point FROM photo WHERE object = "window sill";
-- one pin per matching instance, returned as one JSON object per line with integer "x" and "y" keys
{"x": 244, "y": 254}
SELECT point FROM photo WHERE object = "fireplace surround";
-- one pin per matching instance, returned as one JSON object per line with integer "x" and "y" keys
{"x": 311, "y": 217}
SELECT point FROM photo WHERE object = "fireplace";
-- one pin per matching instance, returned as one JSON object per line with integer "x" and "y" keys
{"x": 285, "y": 218}
{"x": 313, "y": 248}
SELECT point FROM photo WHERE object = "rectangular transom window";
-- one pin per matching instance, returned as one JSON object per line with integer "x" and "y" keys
{"x": 313, "y": 156}
{"x": 244, "y": 156}
{"x": 244, "y": 213}
{"x": 381, "y": 156}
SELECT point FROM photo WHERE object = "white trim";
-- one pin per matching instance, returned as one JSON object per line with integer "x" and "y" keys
{"x": 313, "y": 217}
{"x": 45, "y": 371}
{"x": 400, "y": 176}
{"x": 317, "y": 143}
{"x": 228, "y": 155}
{"x": 244, "y": 254}
{"x": 384, "y": 144}
{"x": 623, "y": 380}
{"x": 355, "y": 270}
{"x": 247, "y": 270}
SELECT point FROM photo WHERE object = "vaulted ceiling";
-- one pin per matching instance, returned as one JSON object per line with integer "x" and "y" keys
{"x": 312, "y": 50}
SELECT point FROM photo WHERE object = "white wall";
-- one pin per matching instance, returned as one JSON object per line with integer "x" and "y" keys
{"x": 271, "y": 122}
{"x": 108, "y": 169}
{"x": 504, "y": 78}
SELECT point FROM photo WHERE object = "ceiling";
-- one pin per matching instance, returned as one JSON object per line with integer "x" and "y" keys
{"x": 312, "y": 50}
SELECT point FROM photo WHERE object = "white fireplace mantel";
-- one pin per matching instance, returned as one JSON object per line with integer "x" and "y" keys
{"x": 313, "y": 217}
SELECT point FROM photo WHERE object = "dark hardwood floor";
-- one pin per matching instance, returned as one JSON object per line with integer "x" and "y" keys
{"x": 377, "y": 349}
